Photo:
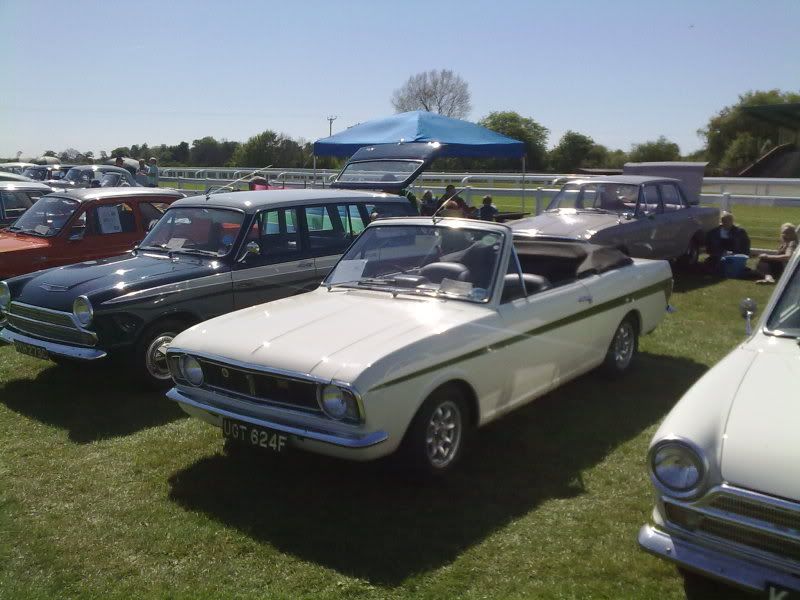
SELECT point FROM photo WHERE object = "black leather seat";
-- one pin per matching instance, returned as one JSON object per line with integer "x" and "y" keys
{"x": 512, "y": 290}
{"x": 437, "y": 271}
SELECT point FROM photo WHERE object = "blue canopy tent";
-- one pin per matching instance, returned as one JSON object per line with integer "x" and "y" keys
{"x": 461, "y": 138}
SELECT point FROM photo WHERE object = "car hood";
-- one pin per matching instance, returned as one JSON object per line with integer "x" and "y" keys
{"x": 760, "y": 449}
{"x": 12, "y": 242}
{"x": 110, "y": 278}
{"x": 332, "y": 335}
{"x": 567, "y": 223}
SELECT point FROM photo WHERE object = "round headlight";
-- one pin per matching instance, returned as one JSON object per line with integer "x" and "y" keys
{"x": 82, "y": 309}
{"x": 677, "y": 467}
{"x": 5, "y": 295}
{"x": 191, "y": 370}
{"x": 338, "y": 403}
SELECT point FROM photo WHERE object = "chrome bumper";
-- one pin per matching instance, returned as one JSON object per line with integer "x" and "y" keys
{"x": 75, "y": 352}
{"x": 713, "y": 562}
{"x": 354, "y": 441}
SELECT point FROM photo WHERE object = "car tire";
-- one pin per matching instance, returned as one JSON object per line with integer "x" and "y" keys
{"x": 150, "y": 357}
{"x": 435, "y": 439}
{"x": 623, "y": 348}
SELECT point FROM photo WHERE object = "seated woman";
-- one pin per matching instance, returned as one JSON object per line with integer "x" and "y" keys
{"x": 771, "y": 266}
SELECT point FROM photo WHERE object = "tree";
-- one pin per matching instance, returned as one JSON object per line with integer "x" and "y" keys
{"x": 208, "y": 152}
{"x": 524, "y": 129}
{"x": 269, "y": 148}
{"x": 121, "y": 151}
{"x": 724, "y": 127}
{"x": 49, "y": 153}
{"x": 436, "y": 91}
{"x": 744, "y": 150}
{"x": 660, "y": 149}
{"x": 571, "y": 152}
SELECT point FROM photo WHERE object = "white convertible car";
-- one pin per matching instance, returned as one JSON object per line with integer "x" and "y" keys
{"x": 725, "y": 463}
{"x": 425, "y": 329}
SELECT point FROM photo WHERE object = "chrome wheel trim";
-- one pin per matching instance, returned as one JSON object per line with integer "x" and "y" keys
{"x": 155, "y": 358}
{"x": 443, "y": 434}
{"x": 623, "y": 344}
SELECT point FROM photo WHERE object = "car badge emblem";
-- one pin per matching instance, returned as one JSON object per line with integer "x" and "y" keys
{"x": 225, "y": 373}
{"x": 54, "y": 288}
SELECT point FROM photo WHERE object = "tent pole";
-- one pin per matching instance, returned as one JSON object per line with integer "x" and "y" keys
{"x": 523, "y": 183}
{"x": 314, "y": 161}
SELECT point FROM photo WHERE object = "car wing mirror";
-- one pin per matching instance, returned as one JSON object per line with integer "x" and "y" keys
{"x": 250, "y": 249}
{"x": 748, "y": 308}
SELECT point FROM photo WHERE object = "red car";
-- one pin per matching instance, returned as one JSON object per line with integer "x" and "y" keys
{"x": 86, "y": 224}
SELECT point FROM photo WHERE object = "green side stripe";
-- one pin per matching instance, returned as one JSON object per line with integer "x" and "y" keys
{"x": 662, "y": 286}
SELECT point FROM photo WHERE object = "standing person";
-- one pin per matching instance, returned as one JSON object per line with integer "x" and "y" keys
{"x": 152, "y": 173}
{"x": 488, "y": 211}
{"x": 771, "y": 266}
{"x": 141, "y": 174}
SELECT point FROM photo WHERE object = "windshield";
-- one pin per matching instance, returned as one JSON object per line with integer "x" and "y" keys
{"x": 112, "y": 180}
{"x": 46, "y": 217}
{"x": 191, "y": 230}
{"x": 785, "y": 317}
{"x": 38, "y": 174}
{"x": 80, "y": 175}
{"x": 613, "y": 197}
{"x": 379, "y": 171}
{"x": 425, "y": 260}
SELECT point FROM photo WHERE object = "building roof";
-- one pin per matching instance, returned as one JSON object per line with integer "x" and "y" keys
{"x": 252, "y": 201}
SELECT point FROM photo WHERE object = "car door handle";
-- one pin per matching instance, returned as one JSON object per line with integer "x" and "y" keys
{"x": 585, "y": 299}
{"x": 305, "y": 265}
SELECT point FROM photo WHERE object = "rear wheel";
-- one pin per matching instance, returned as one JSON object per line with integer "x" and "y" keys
{"x": 623, "y": 348}
{"x": 435, "y": 439}
{"x": 151, "y": 353}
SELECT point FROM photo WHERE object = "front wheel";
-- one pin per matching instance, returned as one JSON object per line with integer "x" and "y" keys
{"x": 435, "y": 439}
{"x": 623, "y": 348}
{"x": 151, "y": 353}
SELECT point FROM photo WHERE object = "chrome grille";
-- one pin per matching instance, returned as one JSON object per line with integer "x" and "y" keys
{"x": 260, "y": 387}
{"x": 745, "y": 519}
{"x": 48, "y": 325}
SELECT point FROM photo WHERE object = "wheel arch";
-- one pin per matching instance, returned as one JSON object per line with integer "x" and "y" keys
{"x": 183, "y": 316}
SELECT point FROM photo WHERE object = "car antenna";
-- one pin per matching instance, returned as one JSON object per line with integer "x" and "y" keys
{"x": 228, "y": 185}
{"x": 456, "y": 193}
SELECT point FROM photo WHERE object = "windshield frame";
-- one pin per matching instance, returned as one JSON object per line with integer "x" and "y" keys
{"x": 67, "y": 226}
{"x": 790, "y": 278}
{"x": 443, "y": 223}
{"x": 234, "y": 250}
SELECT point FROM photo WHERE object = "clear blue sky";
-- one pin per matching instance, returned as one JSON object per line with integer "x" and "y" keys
{"x": 96, "y": 75}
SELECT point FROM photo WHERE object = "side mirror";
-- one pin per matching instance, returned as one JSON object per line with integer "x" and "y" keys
{"x": 251, "y": 249}
{"x": 748, "y": 308}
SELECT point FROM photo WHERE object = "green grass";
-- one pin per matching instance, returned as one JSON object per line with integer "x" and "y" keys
{"x": 106, "y": 492}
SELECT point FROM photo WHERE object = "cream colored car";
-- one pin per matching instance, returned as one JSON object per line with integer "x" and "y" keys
{"x": 725, "y": 463}
{"x": 425, "y": 329}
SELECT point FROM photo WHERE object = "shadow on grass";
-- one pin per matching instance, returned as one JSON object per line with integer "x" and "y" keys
{"x": 371, "y": 521}
{"x": 687, "y": 279}
{"x": 91, "y": 402}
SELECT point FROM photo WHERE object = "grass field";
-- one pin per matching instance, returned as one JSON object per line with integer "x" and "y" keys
{"x": 106, "y": 492}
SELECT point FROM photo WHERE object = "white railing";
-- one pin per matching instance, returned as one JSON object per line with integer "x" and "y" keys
{"x": 532, "y": 192}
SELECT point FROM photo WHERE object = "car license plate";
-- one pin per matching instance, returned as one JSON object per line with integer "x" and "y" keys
{"x": 31, "y": 350}
{"x": 776, "y": 592}
{"x": 253, "y": 435}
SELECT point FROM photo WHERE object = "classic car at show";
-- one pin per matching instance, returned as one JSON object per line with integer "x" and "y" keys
{"x": 425, "y": 329}
{"x": 15, "y": 167}
{"x": 645, "y": 216}
{"x": 84, "y": 176}
{"x": 78, "y": 225}
{"x": 206, "y": 256}
{"x": 17, "y": 197}
{"x": 47, "y": 172}
{"x": 724, "y": 462}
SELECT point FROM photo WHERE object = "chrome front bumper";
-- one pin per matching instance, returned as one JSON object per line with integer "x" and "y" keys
{"x": 714, "y": 562}
{"x": 353, "y": 441}
{"x": 75, "y": 352}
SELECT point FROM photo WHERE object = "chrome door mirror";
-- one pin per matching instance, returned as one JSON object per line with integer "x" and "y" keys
{"x": 250, "y": 249}
{"x": 748, "y": 308}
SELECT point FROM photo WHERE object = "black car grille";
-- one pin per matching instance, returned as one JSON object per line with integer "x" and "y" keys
{"x": 260, "y": 387}
{"x": 745, "y": 522}
{"x": 48, "y": 325}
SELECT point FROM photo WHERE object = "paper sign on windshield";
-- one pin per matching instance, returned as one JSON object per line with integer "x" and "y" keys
{"x": 42, "y": 229}
{"x": 108, "y": 216}
{"x": 175, "y": 243}
{"x": 348, "y": 270}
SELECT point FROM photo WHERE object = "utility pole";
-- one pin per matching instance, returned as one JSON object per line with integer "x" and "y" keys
{"x": 330, "y": 124}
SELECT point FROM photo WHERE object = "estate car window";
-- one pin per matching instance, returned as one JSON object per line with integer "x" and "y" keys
{"x": 326, "y": 231}
{"x": 15, "y": 203}
{"x": 195, "y": 230}
{"x": 108, "y": 219}
{"x": 351, "y": 219}
{"x": 276, "y": 233}
{"x": 46, "y": 217}
{"x": 671, "y": 197}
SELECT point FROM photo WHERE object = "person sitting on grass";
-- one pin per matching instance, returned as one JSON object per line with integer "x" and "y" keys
{"x": 771, "y": 266}
{"x": 724, "y": 240}
{"x": 488, "y": 211}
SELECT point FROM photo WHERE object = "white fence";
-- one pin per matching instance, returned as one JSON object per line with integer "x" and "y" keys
{"x": 530, "y": 193}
